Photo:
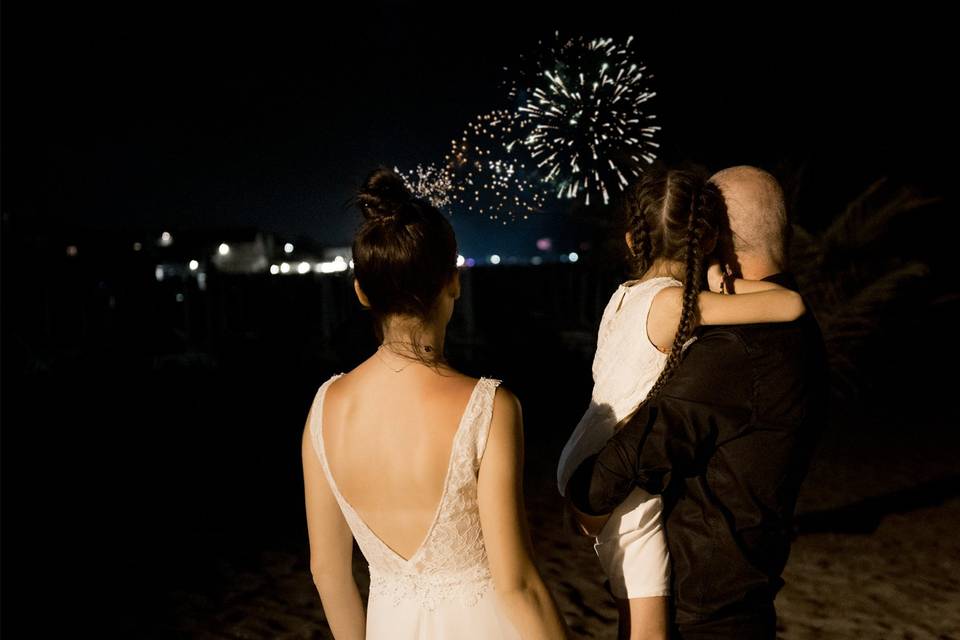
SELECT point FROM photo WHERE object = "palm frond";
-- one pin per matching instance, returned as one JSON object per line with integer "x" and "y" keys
{"x": 869, "y": 216}
{"x": 852, "y": 282}
{"x": 852, "y": 323}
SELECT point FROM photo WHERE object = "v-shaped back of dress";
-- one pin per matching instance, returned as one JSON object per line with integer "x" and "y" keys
{"x": 451, "y": 561}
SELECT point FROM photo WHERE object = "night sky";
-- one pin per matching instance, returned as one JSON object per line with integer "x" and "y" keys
{"x": 120, "y": 118}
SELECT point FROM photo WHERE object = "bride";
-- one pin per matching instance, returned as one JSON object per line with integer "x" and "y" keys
{"x": 421, "y": 464}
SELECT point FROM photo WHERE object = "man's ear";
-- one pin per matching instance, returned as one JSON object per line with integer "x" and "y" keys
{"x": 360, "y": 294}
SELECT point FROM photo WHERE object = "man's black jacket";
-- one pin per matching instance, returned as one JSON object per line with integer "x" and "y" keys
{"x": 727, "y": 442}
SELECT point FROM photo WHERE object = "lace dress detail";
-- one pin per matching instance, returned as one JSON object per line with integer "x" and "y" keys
{"x": 451, "y": 562}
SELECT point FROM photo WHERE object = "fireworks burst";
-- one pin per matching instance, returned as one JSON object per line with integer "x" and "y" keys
{"x": 488, "y": 177}
{"x": 433, "y": 184}
{"x": 581, "y": 116}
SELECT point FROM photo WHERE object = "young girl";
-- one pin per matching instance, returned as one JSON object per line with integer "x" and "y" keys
{"x": 674, "y": 220}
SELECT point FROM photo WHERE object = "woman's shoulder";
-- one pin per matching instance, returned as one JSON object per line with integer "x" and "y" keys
{"x": 491, "y": 389}
{"x": 481, "y": 386}
{"x": 338, "y": 379}
{"x": 341, "y": 385}
{"x": 504, "y": 399}
{"x": 506, "y": 421}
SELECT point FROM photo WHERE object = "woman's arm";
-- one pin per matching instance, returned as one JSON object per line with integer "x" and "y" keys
{"x": 518, "y": 584}
{"x": 770, "y": 303}
{"x": 331, "y": 549}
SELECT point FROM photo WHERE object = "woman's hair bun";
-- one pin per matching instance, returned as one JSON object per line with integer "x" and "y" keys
{"x": 384, "y": 196}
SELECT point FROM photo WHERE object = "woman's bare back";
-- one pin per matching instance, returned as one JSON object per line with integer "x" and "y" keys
{"x": 388, "y": 438}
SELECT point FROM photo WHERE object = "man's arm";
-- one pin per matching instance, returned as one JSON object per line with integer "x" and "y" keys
{"x": 710, "y": 392}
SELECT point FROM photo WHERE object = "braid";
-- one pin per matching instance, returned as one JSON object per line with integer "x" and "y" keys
{"x": 689, "y": 313}
{"x": 640, "y": 233}
{"x": 641, "y": 242}
{"x": 671, "y": 214}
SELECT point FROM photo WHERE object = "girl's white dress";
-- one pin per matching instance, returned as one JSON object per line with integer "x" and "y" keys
{"x": 632, "y": 547}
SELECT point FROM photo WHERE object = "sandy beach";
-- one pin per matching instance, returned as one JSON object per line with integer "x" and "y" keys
{"x": 877, "y": 556}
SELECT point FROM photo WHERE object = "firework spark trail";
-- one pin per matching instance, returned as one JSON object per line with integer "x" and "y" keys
{"x": 581, "y": 115}
{"x": 431, "y": 183}
{"x": 580, "y": 130}
{"x": 488, "y": 176}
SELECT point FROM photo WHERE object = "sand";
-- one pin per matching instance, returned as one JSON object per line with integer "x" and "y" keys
{"x": 892, "y": 571}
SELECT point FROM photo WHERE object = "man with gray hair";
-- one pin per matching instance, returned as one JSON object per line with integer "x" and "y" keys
{"x": 726, "y": 442}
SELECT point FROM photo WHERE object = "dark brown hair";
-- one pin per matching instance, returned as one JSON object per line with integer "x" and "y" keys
{"x": 674, "y": 214}
{"x": 405, "y": 251}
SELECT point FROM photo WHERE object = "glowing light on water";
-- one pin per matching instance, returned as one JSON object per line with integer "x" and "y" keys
{"x": 494, "y": 259}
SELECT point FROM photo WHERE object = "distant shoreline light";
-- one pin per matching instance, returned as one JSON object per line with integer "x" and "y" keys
{"x": 336, "y": 265}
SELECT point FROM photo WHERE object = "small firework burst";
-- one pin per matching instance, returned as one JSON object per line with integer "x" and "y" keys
{"x": 433, "y": 184}
{"x": 488, "y": 177}
{"x": 582, "y": 118}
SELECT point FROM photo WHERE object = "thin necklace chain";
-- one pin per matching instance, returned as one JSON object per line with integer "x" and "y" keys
{"x": 428, "y": 348}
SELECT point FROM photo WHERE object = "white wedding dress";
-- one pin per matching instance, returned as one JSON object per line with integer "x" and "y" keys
{"x": 444, "y": 590}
